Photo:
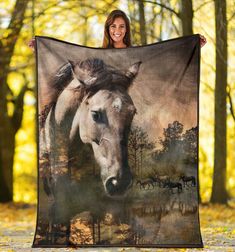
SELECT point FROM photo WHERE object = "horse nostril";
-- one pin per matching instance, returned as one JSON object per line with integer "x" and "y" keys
{"x": 111, "y": 186}
{"x": 115, "y": 186}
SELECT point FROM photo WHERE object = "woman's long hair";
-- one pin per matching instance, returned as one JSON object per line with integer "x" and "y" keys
{"x": 107, "y": 41}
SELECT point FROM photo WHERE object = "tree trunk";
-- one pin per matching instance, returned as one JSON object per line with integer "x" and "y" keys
{"x": 186, "y": 16}
{"x": 9, "y": 125}
{"x": 85, "y": 32}
{"x": 6, "y": 166}
{"x": 133, "y": 13}
{"x": 153, "y": 28}
{"x": 98, "y": 223}
{"x": 161, "y": 23}
{"x": 143, "y": 34}
{"x": 219, "y": 193}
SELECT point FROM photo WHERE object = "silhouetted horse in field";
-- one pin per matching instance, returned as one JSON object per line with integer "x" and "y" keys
{"x": 155, "y": 180}
{"x": 188, "y": 179}
{"x": 172, "y": 185}
{"x": 143, "y": 184}
{"x": 160, "y": 180}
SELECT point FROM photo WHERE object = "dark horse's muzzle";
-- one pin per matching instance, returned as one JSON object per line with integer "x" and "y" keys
{"x": 115, "y": 186}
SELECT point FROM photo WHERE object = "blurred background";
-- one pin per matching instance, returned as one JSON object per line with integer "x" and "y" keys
{"x": 82, "y": 22}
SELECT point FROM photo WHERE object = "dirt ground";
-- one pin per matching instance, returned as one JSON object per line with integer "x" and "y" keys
{"x": 17, "y": 226}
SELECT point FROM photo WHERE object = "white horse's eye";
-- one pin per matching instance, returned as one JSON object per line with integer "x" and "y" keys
{"x": 96, "y": 116}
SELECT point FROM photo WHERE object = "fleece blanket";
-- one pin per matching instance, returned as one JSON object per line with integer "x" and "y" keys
{"x": 118, "y": 144}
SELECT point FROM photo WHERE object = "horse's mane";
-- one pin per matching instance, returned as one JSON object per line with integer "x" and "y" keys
{"x": 107, "y": 77}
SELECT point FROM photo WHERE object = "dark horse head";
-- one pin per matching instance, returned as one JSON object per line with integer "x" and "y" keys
{"x": 103, "y": 116}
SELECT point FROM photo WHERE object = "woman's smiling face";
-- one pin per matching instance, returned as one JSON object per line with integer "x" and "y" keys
{"x": 117, "y": 30}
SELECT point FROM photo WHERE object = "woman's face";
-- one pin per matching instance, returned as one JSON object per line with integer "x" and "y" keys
{"x": 117, "y": 30}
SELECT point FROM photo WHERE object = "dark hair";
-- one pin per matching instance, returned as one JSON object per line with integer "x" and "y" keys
{"x": 107, "y": 41}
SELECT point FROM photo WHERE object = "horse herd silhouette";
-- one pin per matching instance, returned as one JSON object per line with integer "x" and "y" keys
{"x": 165, "y": 182}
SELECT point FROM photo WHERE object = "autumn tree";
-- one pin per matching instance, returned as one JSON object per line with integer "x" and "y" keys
{"x": 219, "y": 193}
{"x": 10, "y": 123}
{"x": 176, "y": 146}
{"x": 171, "y": 143}
{"x": 190, "y": 145}
{"x": 172, "y": 135}
{"x": 142, "y": 22}
{"x": 186, "y": 16}
{"x": 138, "y": 146}
{"x": 182, "y": 9}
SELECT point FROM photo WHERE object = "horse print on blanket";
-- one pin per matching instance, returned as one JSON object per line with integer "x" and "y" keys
{"x": 118, "y": 145}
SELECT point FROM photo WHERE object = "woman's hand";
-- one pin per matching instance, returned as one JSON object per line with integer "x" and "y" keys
{"x": 31, "y": 43}
{"x": 202, "y": 40}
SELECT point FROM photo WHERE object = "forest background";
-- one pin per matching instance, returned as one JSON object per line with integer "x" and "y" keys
{"x": 81, "y": 22}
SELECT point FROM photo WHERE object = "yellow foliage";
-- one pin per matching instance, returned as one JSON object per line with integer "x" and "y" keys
{"x": 25, "y": 168}
{"x": 67, "y": 20}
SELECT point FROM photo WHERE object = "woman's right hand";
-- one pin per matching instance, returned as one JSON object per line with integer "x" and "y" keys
{"x": 31, "y": 43}
{"x": 203, "y": 40}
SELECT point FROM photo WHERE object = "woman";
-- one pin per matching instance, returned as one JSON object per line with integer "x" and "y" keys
{"x": 117, "y": 32}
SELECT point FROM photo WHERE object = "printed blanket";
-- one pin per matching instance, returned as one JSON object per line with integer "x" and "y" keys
{"x": 118, "y": 144}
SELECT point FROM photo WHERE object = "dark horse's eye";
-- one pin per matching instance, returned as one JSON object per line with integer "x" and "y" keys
{"x": 96, "y": 116}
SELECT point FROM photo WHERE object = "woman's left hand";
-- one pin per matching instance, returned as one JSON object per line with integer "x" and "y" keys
{"x": 202, "y": 40}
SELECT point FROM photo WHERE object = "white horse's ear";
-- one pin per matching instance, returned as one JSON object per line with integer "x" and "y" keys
{"x": 72, "y": 65}
{"x": 133, "y": 70}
